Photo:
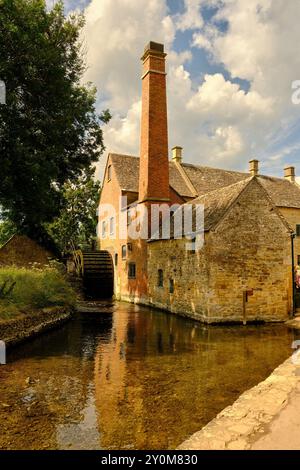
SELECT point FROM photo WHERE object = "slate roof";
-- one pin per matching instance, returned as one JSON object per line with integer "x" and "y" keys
{"x": 205, "y": 180}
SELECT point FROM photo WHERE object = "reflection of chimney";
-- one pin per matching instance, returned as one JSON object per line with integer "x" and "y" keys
{"x": 177, "y": 154}
{"x": 154, "y": 162}
{"x": 289, "y": 173}
{"x": 253, "y": 167}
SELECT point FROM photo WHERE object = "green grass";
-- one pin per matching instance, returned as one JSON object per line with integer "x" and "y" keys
{"x": 24, "y": 290}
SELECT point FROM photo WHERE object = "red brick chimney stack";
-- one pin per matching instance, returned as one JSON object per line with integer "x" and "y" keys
{"x": 154, "y": 161}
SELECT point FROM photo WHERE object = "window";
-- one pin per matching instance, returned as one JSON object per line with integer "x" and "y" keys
{"x": 131, "y": 271}
{"x": 124, "y": 251}
{"x": 298, "y": 260}
{"x": 298, "y": 230}
{"x": 103, "y": 229}
{"x": 116, "y": 259}
{"x": 192, "y": 250}
{"x": 109, "y": 173}
{"x": 129, "y": 246}
{"x": 111, "y": 225}
{"x": 160, "y": 280}
{"x": 171, "y": 286}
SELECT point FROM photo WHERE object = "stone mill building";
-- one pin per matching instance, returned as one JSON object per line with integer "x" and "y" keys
{"x": 244, "y": 270}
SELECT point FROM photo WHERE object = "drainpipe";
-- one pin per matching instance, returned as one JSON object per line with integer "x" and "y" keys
{"x": 293, "y": 275}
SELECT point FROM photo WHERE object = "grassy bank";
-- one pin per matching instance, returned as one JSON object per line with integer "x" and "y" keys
{"x": 24, "y": 290}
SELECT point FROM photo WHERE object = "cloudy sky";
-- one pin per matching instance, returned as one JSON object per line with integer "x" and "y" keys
{"x": 231, "y": 65}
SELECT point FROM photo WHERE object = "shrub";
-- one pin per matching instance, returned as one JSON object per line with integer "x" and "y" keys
{"x": 35, "y": 288}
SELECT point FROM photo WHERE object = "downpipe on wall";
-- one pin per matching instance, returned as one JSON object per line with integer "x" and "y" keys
{"x": 293, "y": 235}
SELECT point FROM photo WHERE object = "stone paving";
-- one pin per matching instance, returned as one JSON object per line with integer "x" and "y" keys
{"x": 250, "y": 418}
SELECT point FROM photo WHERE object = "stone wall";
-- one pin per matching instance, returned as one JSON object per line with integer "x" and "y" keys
{"x": 250, "y": 248}
{"x": 27, "y": 326}
{"x": 110, "y": 194}
{"x": 238, "y": 426}
{"x": 292, "y": 215}
{"x": 133, "y": 290}
{"x": 188, "y": 271}
{"x": 124, "y": 288}
{"x": 22, "y": 251}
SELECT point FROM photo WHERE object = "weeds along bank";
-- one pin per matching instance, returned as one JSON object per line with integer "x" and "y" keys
{"x": 32, "y": 300}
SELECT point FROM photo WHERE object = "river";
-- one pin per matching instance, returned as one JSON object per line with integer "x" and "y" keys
{"x": 130, "y": 377}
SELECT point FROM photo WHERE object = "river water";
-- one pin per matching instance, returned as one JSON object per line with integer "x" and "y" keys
{"x": 129, "y": 377}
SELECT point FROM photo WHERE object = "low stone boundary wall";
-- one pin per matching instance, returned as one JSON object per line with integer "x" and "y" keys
{"x": 22, "y": 328}
{"x": 239, "y": 425}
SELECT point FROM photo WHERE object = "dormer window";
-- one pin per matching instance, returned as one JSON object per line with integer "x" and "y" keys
{"x": 109, "y": 173}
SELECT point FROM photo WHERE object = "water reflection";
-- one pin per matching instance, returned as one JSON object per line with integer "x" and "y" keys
{"x": 130, "y": 379}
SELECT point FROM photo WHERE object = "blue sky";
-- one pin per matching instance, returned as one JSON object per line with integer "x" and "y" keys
{"x": 231, "y": 64}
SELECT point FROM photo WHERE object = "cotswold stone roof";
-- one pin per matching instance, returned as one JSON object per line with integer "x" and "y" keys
{"x": 205, "y": 180}
{"x": 127, "y": 172}
{"x": 216, "y": 203}
{"x": 282, "y": 192}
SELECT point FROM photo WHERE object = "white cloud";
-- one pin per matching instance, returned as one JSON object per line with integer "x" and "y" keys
{"x": 260, "y": 46}
{"x": 220, "y": 99}
{"x": 115, "y": 34}
{"x": 216, "y": 122}
{"x": 191, "y": 18}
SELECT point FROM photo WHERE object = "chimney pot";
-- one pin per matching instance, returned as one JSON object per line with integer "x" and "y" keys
{"x": 253, "y": 167}
{"x": 289, "y": 173}
{"x": 177, "y": 154}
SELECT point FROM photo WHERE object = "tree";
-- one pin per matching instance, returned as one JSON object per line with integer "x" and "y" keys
{"x": 7, "y": 230}
{"x": 78, "y": 218}
{"x": 50, "y": 131}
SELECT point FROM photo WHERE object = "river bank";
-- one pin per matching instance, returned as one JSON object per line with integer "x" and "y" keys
{"x": 265, "y": 417}
{"x": 25, "y": 327}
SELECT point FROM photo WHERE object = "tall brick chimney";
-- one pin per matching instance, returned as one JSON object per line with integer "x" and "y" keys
{"x": 154, "y": 162}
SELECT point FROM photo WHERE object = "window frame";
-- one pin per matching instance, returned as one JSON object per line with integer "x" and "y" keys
{"x": 131, "y": 265}
{"x": 111, "y": 225}
{"x": 103, "y": 229}
{"x": 109, "y": 173}
{"x": 160, "y": 278}
{"x": 193, "y": 244}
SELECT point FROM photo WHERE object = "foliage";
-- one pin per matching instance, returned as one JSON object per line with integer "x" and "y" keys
{"x": 33, "y": 289}
{"x": 6, "y": 288}
{"x": 50, "y": 130}
{"x": 77, "y": 220}
{"x": 7, "y": 229}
